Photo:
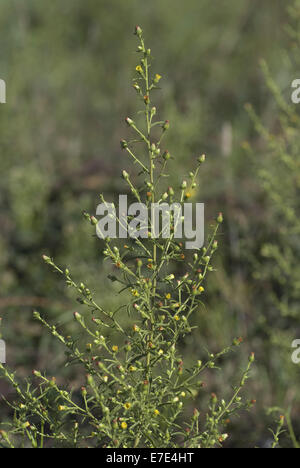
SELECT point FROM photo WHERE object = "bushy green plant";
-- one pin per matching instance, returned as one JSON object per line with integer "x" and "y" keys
{"x": 137, "y": 383}
{"x": 276, "y": 264}
{"x": 54, "y": 143}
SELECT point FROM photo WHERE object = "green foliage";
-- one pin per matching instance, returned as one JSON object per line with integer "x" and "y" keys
{"x": 137, "y": 381}
{"x": 276, "y": 266}
{"x": 67, "y": 65}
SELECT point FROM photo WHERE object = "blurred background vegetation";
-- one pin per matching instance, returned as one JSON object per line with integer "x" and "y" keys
{"x": 227, "y": 70}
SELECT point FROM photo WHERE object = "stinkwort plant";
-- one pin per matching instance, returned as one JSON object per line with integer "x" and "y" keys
{"x": 138, "y": 391}
{"x": 283, "y": 418}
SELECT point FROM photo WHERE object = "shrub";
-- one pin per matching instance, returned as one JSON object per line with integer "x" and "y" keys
{"x": 138, "y": 390}
{"x": 275, "y": 264}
